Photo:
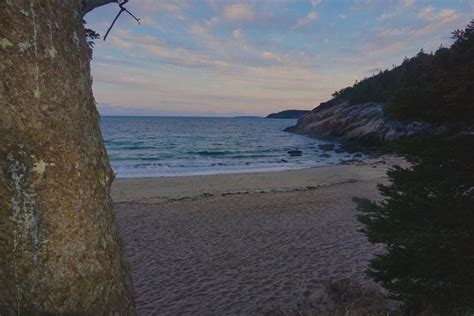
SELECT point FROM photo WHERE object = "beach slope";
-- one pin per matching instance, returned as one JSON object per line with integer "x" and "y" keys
{"x": 244, "y": 243}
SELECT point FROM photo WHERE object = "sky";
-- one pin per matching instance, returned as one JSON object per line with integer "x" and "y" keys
{"x": 255, "y": 57}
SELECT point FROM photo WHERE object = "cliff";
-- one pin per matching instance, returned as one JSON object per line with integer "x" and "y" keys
{"x": 363, "y": 124}
{"x": 288, "y": 114}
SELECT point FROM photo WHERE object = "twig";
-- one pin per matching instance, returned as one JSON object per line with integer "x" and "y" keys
{"x": 122, "y": 9}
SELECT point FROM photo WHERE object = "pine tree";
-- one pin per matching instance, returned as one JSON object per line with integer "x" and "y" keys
{"x": 426, "y": 218}
{"x": 426, "y": 222}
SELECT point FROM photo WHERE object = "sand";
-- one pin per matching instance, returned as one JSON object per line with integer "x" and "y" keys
{"x": 244, "y": 243}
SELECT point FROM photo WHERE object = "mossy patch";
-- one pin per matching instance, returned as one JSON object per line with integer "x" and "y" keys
{"x": 37, "y": 93}
{"x": 4, "y": 42}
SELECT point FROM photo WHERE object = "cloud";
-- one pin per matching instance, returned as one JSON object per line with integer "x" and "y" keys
{"x": 175, "y": 8}
{"x": 426, "y": 13}
{"x": 237, "y": 33}
{"x": 308, "y": 19}
{"x": 167, "y": 76}
{"x": 269, "y": 56}
{"x": 429, "y": 13}
{"x": 244, "y": 55}
{"x": 407, "y": 3}
{"x": 428, "y": 32}
{"x": 198, "y": 29}
{"x": 212, "y": 22}
{"x": 400, "y": 7}
{"x": 239, "y": 12}
{"x": 363, "y": 3}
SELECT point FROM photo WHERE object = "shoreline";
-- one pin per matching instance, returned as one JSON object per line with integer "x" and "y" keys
{"x": 223, "y": 172}
{"x": 352, "y": 161}
{"x": 158, "y": 188}
{"x": 245, "y": 243}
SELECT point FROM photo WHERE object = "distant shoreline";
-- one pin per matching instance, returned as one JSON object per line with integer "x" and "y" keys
{"x": 182, "y": 116}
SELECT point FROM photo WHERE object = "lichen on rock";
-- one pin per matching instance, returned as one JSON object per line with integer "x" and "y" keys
{"x": 5, "y": 42}
{"x": 24, "y": 46}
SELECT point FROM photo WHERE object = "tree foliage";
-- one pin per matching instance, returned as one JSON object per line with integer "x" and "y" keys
{"x": 436, "y": 88}
{"x": 91, "y": 36}
{"x": 426, "y": 217}
{"x": 426, "y": 222}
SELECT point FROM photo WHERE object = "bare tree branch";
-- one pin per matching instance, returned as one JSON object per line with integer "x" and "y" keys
{"x": 122, "y": 9}
{"x": 89, "y": 5}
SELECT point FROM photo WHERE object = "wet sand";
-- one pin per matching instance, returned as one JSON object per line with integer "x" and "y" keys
{"x": 244, "y": 243}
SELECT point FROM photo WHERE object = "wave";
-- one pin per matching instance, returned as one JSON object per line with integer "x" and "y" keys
{"x": 179, "y": 146}
{"x": 132, "y": 159}
{"x": 137, "y": 148}
{"x": 251, "y": 156}
{"x": 212, "y": 153}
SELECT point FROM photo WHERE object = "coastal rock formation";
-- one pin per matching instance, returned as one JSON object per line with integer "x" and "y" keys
{"x": 363, "y": 124}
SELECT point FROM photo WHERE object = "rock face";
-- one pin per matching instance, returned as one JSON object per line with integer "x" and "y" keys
{"x": 364, "y": 124}
{"x": 288, "y": 114}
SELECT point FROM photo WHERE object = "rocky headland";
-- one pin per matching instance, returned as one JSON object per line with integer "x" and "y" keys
{"x": 361, "y": 124}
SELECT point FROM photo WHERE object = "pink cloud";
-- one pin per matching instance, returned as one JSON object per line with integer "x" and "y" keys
{"x": 239, "y": 11}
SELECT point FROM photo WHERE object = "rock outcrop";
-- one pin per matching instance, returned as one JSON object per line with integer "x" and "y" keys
{"x": 363, "y": 124}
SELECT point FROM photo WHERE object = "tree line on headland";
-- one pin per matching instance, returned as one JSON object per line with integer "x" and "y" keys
{"x": 436, "y": 87}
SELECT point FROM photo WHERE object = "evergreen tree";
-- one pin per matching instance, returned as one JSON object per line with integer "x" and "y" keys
{"x": 426, "y": 222}
{"x": 426, "y": 217}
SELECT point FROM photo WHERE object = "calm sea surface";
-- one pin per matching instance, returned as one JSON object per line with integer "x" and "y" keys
{"x": 175, "y": 146}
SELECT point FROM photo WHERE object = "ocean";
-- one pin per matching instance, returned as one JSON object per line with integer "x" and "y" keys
{"x": 178, "y": 146}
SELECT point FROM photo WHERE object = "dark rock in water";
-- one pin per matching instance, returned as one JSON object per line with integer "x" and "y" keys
{"x": 353, "y": 160}
{"x": 283, "y": 160}
{"x": 326, "y": 146}
{"x": 295, "y": 152}
{"x": 325, "y": 155}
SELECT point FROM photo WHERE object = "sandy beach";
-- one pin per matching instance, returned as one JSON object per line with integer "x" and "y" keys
{"x": 244, "y": 243}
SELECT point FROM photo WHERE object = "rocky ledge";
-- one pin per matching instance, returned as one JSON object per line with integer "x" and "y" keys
{"x": 362, "y": 124}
